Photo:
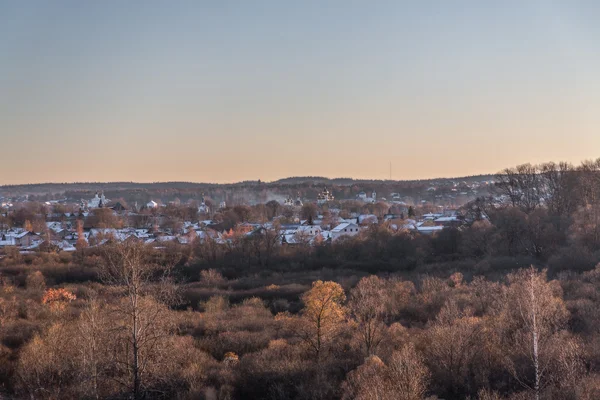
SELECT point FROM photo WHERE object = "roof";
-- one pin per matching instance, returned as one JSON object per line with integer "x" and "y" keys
{"x": 343, "y": 226}
{"x": 429, "y": 228}
{"x": 446, "y": 219}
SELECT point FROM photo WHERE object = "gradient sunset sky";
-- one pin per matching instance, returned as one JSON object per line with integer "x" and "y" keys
{"x": 223, "y": 91}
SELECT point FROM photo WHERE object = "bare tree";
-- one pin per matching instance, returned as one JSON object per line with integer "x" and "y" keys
{"x": 559, "y": 183}
{"x": 589, "y": 182}
{"x": 521, "y": 185}
{"x": 405, "y": 377}
{"x": 368, "y": 306}
{"x": 141, "y": 315}
{"x": 93, "y": 328}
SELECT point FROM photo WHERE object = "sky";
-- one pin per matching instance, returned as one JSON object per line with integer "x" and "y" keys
{"x": 224, "y": 91}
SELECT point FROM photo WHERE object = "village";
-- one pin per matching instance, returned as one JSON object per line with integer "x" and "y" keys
{"x": 64, "y": 226}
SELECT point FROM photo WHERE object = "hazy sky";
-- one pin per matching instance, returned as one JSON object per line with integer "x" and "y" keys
{"x": 224, "y": 91}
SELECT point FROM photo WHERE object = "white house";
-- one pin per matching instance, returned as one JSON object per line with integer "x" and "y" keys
{"x": 344, "y": 229}
{"x": 151, "y": 204}
{"x": 308, "y": 230}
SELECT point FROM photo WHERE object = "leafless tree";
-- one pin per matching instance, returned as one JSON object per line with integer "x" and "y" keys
{"x": 589, "y": 182}
{"x": 522, "y": 186}
{"x": 405, "y": 377}
{"x": 368, "y": 306}
{"x": 559, "y": 183}
{"x": 141, "y": 315}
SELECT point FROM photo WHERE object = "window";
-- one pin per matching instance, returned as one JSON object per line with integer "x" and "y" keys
{"x": 345, "y": 230}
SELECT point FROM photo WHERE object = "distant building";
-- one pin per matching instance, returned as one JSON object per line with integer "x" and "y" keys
{"x": 290, "y": 202}
{"x": 151, "y": 204}
{"x": 345, "y": 229}
{"x": 222, "y": 205}
{"x": 98, "y": 201}
{"x": 203, "y": 208}
{"x": 324, "y": 197}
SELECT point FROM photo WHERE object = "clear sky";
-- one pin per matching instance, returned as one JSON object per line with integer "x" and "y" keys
{"x": 222, "y": 91}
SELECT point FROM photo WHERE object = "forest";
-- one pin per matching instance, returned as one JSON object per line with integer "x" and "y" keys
{"x": 504, "y": 307}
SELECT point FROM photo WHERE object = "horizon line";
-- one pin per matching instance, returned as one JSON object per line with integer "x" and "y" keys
{"x": 241, "y": 182}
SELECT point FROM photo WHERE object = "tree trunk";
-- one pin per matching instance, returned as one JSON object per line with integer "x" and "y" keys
{"x": 535, "y": 338}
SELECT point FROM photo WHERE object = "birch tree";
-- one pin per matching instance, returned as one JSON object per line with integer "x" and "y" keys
{"x": 539, "y": 351}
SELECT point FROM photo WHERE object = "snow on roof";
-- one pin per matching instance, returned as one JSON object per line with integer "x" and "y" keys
{"x": 367, "y": 218}
{"x": 446, "y": 219}
{"x": 308, "y": 228}
{"x": 342, "y": 226}
{"x": 7, "y": 242}
{"x": 429, "y": 228}
{"x": 22, "y": 234}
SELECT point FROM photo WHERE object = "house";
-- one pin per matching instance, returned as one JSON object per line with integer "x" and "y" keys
{"x": 429, "y": 230}
{"x": 448, "y": 221}
{"x": 367, "y": 219}
{"x": 26, "y": 239}
{"x": 151, "y": 204}
{"x": 344, "y": 229}
{"x": 307, "y": 231}
{"x": 55, "y": 226}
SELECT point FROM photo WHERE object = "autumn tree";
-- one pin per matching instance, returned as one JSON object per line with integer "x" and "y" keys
{"x": 58, "y": 299}
{"x": 81, "y": 242}
{"x": 322, "y": 317}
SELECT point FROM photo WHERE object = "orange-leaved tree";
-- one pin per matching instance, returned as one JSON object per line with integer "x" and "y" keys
{"x": 57, "y": 299}
{"x": 321, "y": 318}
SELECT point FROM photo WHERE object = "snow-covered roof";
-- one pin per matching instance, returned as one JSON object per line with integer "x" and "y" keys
{"x": 343, "y": 226}
{"x": 446, "y": 219}
{"x": 429, "y": 228}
